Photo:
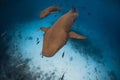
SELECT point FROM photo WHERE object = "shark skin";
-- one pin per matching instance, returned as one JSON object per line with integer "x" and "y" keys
{"x": 56, "y": 36}
{"x": 48, "y": 11}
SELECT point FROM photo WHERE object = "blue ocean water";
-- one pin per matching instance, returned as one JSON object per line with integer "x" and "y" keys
{"x": 96, "y": 58}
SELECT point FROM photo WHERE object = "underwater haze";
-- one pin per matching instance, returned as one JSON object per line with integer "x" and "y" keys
{"x": 21, "y": 41}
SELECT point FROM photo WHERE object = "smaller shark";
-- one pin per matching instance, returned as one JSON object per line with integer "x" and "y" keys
{"x": 56, "y": 36}
{"x": 48, "y": 11}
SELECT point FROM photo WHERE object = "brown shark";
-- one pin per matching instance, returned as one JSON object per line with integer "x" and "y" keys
{"x": 48, "y": 11}
{"x": 56, "y": 36}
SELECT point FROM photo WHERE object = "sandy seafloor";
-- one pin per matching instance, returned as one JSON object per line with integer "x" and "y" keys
{"x": 97, "y": 58}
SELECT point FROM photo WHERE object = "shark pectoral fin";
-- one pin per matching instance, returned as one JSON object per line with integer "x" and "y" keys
{"x": 75, "y": 35}
{"x": 44, "y": 29}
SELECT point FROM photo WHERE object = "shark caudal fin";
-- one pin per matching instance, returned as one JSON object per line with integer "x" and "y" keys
{"x": 44, "y": 29}
{"x": 76, "y": 36}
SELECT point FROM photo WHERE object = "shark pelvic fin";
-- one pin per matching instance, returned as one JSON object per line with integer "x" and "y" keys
{"x": 45, "y": 29}
{"x": 76, "y": 36}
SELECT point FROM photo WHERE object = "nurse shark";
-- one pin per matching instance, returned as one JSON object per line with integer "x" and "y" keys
{"x": 48, "y": 11}
{"x": 56, "y": 36}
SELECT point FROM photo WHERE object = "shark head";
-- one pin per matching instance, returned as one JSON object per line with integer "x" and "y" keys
{"x": 73, "y": 9}
{"x": 74, "y": 12}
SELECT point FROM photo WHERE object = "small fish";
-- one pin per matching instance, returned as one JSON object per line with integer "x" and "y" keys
{"x": 38, "y": 42}
{"x": 62, "y": 78}
{"x": 63, "y": 54}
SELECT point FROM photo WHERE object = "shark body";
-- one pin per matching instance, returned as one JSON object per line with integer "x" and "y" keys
{"x": 56, "y": 36}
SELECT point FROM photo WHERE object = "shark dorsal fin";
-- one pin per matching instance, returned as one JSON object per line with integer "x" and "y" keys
{"x": 76, "y": 36}
{"x": 44, "y": 29}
